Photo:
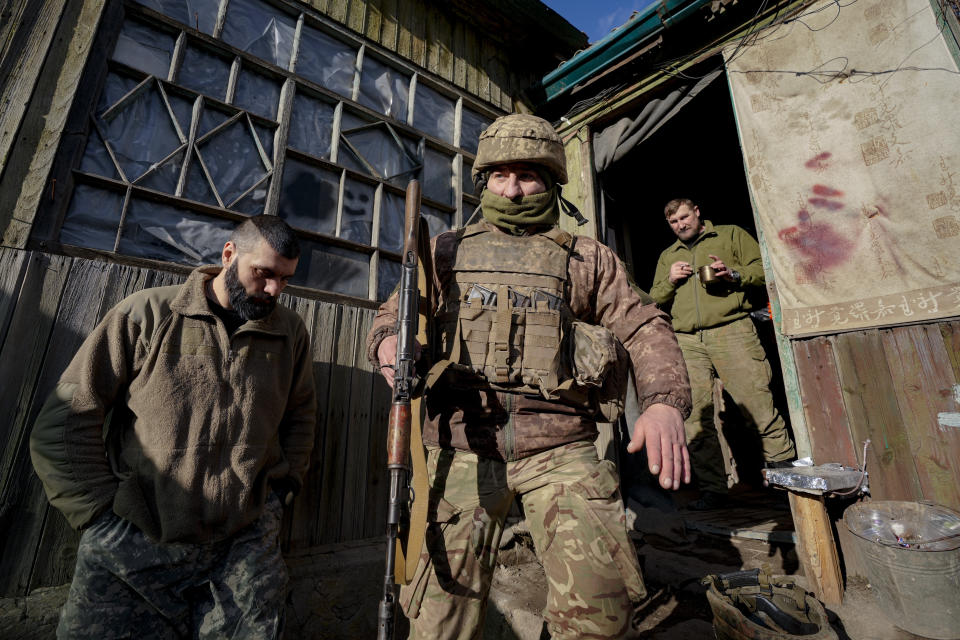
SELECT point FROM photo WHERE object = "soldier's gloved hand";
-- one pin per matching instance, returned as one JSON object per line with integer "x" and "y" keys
{"x": 286, "y": 489}
{"x": 660, "y": 428}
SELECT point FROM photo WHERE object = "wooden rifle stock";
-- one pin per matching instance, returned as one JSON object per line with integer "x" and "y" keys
{"x": 402, "y": 415}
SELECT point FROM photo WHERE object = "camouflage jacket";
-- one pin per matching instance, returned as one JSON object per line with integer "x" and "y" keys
{"x": 509, "y": 426}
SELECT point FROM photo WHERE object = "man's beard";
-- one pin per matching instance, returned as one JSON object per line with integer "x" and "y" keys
{"x": 248, "y": 307}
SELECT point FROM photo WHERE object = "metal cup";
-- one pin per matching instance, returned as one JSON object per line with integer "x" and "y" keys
{"x": 707, "y": 275}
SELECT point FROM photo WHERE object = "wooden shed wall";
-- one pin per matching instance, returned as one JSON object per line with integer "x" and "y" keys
{"x": 888, "y": 386}
{"x": 49, "y": 303}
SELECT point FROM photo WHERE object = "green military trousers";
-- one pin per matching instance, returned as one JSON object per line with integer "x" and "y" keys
{"x": 576, "y": 518}
{"x": 733, "y": 353}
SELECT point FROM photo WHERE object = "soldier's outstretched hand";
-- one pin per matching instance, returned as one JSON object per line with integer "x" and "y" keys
{"x": 660, "y": 428}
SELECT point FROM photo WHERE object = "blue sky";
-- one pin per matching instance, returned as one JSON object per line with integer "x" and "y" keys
{"x": 596, "y": 18}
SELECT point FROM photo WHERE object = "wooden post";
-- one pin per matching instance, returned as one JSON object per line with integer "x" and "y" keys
{"x": 816, "y": 547}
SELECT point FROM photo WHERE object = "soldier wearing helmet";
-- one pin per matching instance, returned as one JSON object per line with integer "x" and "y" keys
{"x": 534, "y": 333}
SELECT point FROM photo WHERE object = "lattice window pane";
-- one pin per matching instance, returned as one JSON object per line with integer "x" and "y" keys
{"x": 334, "y": 269}
{"x": 326, "y": 61}
{"x": 93, "y": 218}
{"x": 197, "y": 14}
{"x": 437, "y": 221}
{"x": 162, "y": 232}
{"x": 261, "y": 30}
{"x": 309, "y": 197}
{"x": 204, "y": 72}
{"x": 388, "y": 277}
{"x": 438, "y": 176}
{"x": 391, "y": 222}
{"x": 433, "y": 113}
{"x": 141, "y": 131}
{"x": 311, "y": 127}
{"x": 384, "y": 89}
{"x": 357, "y": 220}
{"x": 232, "y": 158}
{"x": 258, "y": 94}
{"x": 472, "y": 125}
{"x": 144, "y": 48}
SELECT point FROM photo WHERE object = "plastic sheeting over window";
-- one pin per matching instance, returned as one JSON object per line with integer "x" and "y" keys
{"x": 391, "y": 222}
{"x": 309, "y": 197}
{"x": 161, "y": 232}
{"x": 388, "y": 278}
{"x": 140, "y": 130}
{"x": 384, "y": 89}
{"x": 311, "y": 126}
{"x": 93, "y": 218}
{"x": 326, "y": 61}
{"x": 471, "y": 126}
{"x": 196, "y": 14}
{"x": 233, "y": 160}
{"x": 377, "y": 150}
{"x": 331, "y": 268}
{"x": 356, "y": 222}
{"x": 257, "y": 94}
{"x": 434, "y": 113}
{"x": 204, "y": 72}
{"x": 144, "y": 48}
{"x": 259, "y": 29}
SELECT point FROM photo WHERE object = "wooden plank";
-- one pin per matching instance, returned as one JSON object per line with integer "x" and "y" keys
{"x": 13, "y": 265}
{"x": 389, "y": 30}
{"x": 472, "y": 56}
{"x": 404, "y": 37}
{"x": 950, "y": 331}
{"x": 379, "y": 478}
{"x": 76, "y": 316}
{"x": 374, "y": 20}
{"x": 35, "y": 25}
{"x": 357, "y": 15}
{"x": 337, "y": 433}
{"x": 816, "y": 547}
{"x": 356, "y": 508}
{"x": 923, "y": 379}
{"x": 823, "y": 406}
{"x": 21, "y": 359}
{"x": 459, "y": 54}
{"x": 337, "y": 10}
{"x": 874, "y": 414}
{"x": 442, "y": 41}
{"x": 487, "y": 53}
{"x": 307, "y": 516}
{"x": 418, "y": 33}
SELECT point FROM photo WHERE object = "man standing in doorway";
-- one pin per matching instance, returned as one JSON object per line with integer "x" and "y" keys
{"x": 171, "y": 442}
{"x": 718, "y": 339}
{"x": 505, "y": 422}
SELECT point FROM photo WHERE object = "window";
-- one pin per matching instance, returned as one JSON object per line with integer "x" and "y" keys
{"x": 280, "y": 113}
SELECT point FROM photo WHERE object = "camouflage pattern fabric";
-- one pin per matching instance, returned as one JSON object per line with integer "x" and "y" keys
{"x": 576, "y": 518}
{"x": 733, "y": 353}
{"x": 521, "y": 137}
{"x": 126, "y": 586}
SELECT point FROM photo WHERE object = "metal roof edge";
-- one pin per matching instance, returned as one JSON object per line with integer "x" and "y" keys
{"x": 615, "y": 46}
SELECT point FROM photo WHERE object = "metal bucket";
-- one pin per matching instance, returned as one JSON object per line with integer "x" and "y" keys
{"x": 911, "y": 552}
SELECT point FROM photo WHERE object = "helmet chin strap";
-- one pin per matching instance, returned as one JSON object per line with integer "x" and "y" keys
{"x": 569, "y": 208}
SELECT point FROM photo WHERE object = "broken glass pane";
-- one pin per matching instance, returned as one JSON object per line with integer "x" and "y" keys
{"x": 388, "y": 276}
{"x": 384, "y": 89}
{"x": 162, "y": 232}
{"x": 357, "y": 221}
{"x": 438, "y": 176}
{"x": 471, "y": 126}
{"x": 374, "y": 151}
{"x": 166, "y": 176}
{"x": 434, "y": 113}
{"x": 309, "y": 197}
{"x": 438, "y": 221}
{"x": 198, "y": 187}
{"x": 311, "y": 127}
{"x": 115, "y": 88}
{"x": 93, "y": 218}
{"x": 333, "y": 269}
{"x": 253, "y": 203}
{"x": 144, "y": 48}
{"x": 183, "y": 109}
{"x": 204, "y": 72}
{"x": 260, "y": 29}
{"x": 326, "y": 61}
{"x": 141, "y": 132}
{"x": 96, "y": 159}
{"x": 233, "y": 162}
{"x": 257, "y": 93}
{"x": 197, "y": 14}
{"x": 391, "y": 222}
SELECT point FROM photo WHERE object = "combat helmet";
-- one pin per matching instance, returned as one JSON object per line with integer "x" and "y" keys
{"x": 521, "y": 137}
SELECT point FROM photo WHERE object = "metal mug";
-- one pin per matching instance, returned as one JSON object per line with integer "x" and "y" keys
{"x": 707, "y": 275}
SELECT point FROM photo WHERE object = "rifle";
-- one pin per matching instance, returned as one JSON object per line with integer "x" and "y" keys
{"x": 406, "y": 510}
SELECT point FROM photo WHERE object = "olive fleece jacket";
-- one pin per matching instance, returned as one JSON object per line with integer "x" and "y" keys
{"x": 509, "y": 426}
{"x": 693, "y": 306}
{"x": 198, "y": 423}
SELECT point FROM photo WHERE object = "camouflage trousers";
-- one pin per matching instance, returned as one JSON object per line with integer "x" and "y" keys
{"x": 126, "y": 586}
{"x": 733, "y": 353}
{"x": 576, "y": 518}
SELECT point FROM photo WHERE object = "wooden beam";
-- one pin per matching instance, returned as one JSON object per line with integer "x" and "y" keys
{"x": 816, "y": 547}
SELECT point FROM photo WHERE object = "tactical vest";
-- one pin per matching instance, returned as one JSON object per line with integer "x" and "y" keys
{"x": 505, "y": 311}
{"x": 506, "y": 325}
